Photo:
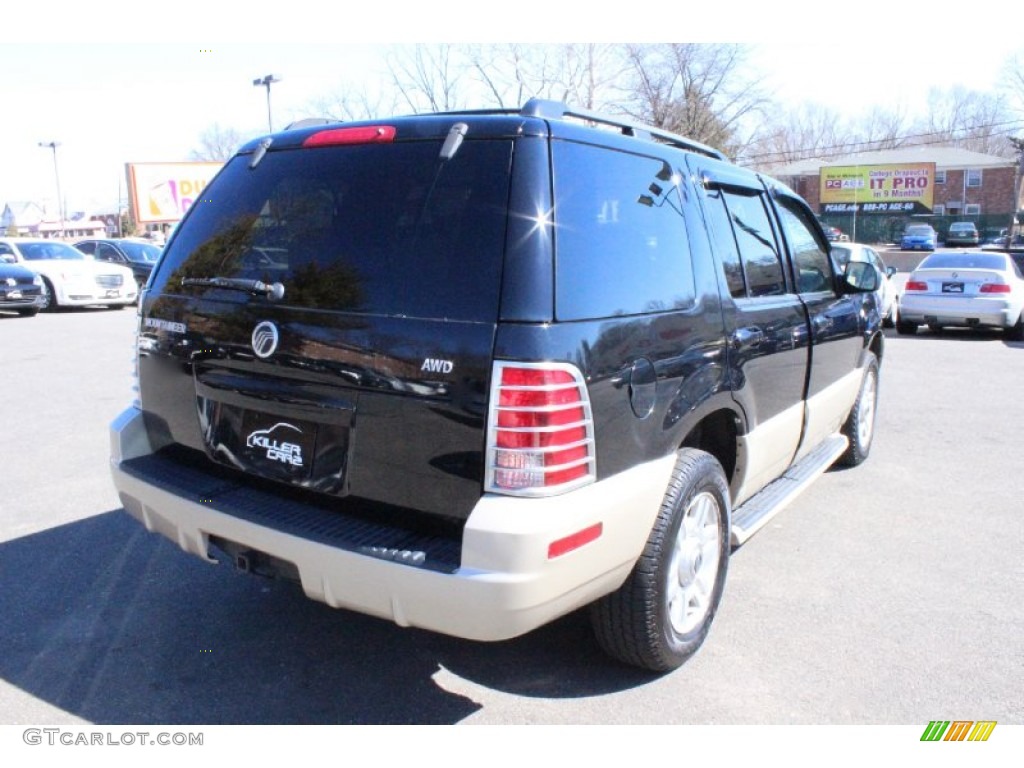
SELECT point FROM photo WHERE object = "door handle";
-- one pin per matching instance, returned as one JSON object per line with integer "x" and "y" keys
{"x": 743, "y": 338}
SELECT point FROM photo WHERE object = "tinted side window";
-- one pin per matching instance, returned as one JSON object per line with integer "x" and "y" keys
{"x": 725, "y": 242}
{"x": 107, "y": 253}
{"x": 86, "y": 247}
{"x": 756, "y": 241}
{"x": 810, "y": 258}
{"x": 620, "y": 238}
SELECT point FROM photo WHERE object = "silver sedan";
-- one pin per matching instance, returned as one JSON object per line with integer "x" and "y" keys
{"x": 968, "y": 289}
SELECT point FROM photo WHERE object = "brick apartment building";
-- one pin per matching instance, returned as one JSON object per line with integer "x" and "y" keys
{"x": 967, "y": 186}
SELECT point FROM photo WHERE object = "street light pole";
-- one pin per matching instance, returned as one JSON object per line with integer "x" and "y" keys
{"x": 60, "y": 203}
{"x": 266, "y": 81}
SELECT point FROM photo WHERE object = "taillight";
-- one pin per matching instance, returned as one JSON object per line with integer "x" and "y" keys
{"x": 367, "y": 134}
{"x": 995, "y": 288}
{"x": 540, "y": 433}
{"x": 915, "y": 285}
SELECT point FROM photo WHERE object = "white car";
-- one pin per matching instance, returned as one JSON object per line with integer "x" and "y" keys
{"x": 70, "y": 277}
{"x": 888, "y": 301}
{"x": 969, "y": 289}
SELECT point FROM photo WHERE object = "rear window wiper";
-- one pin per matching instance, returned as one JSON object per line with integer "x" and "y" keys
{"x": 273, "y": 291}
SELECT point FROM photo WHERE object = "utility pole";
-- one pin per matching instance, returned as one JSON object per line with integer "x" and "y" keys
{"x": 267, "y": 80}
{"x": 1018, "y": 181}
{"x": 60, "y": 201}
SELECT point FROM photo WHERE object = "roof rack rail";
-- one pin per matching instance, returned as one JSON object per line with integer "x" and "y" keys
{"x": 546, "y": 108}
{"x": 308, "y": 122}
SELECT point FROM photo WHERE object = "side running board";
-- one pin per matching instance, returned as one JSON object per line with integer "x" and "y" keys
{"x": 755, "y": 513}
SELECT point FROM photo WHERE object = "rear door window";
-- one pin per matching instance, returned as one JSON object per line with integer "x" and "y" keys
{"x": 620, "y": 239}
{"x": 384, "y": 229}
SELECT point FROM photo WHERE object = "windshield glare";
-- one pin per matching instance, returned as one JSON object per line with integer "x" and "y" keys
{"x": 50, "y": 252}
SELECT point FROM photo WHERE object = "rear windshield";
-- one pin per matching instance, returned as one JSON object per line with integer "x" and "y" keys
{"x": 964, "y": 261}
{"x": 919, "y": 230}
{"x": 384, "y": 229}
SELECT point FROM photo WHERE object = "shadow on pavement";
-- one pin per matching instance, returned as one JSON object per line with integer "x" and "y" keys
{"x": 117, "y": 626}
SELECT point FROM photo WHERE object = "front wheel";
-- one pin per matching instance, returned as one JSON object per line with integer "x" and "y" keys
{"x": 660, "y": 616}
{"x": 860, "y": 426}
{"x": 49, "y": 297}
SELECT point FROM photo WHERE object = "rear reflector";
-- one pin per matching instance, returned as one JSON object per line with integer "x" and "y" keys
{"x": 367, "y": 134}
{"x": 914, "y": 285}
{"x": 540, "y": 434}
{"x": 577, "y": 540}
{"x": 995, "y": 288}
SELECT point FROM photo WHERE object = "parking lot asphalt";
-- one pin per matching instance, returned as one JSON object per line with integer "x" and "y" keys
{"x": 887, "y": 594}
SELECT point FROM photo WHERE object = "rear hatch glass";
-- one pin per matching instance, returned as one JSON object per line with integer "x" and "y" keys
{"x": 376, "y": 229}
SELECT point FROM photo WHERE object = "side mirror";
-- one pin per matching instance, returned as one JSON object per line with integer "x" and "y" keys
{"x": 860, "y": 277}
{"x": 890, "y": 271}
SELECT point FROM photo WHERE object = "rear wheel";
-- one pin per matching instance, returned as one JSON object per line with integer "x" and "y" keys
{"x": 28, "y": 312}
{"x": 860, "y": 426}
{"x": 660, "y": 616}
{"x": 905, "y": 328}
{"x": 1016, "y": 333}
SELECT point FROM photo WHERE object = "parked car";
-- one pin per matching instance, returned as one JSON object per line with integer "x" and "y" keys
{"x": 888, "y": 300}
{"x": 473, "y": 395}
{"x": 21, "y": 289}
{"x": 919, "y": 237}
{"x": 973, "y": 289}
{"x": 834, "y": 234}
{"x": 962, "y": 233}
{"x": 139, "y": 256}
{"x": 71, "y": 278}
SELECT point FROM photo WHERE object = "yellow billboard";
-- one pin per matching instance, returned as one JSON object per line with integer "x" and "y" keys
{"x": 161, "y": 192}
{"x": 897, "y": 188}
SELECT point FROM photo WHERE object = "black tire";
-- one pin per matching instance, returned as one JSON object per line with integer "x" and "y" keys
{"x": 49, "y": 297}
{"x": 1016, "y": 333}
{"x": 860, "y": 425}
{"x": 905, "y": 328}
{"x": 28, "y": 312}
{"x": 647, "y": 622}
{"x": 893, "y": 317}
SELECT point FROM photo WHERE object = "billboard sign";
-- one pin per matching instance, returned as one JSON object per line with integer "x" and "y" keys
{"x": 906, "y": 188}
{"x": 160, "y": 193}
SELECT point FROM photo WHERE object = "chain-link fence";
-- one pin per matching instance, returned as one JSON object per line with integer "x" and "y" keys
{"x": 869, "y": 228}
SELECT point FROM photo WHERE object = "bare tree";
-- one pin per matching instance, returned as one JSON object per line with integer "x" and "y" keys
{"x": 426, "y": 77}
{"x": 583, "y": 75}
{"x": 973, "y": 120}
{"x": 355, "y": 102}
{"x": 696, "y": 89}
{"x": 217, "y": 143}
{"x": 801, "y": 133}
{"x": 882, "y": 128}
{"x": 1012, "y": 83}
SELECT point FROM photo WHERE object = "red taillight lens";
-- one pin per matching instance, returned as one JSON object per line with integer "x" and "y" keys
{"x": 915, "y": 285}
{"x": 539, "y": 432}
{"x": 367, "y": 134}
{"x": 995, "y": 288}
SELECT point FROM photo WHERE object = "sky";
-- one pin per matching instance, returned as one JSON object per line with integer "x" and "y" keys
{"x": 109, "y": 98}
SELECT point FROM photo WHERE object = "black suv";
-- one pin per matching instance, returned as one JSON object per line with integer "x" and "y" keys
{"x": 470, "y": 372}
